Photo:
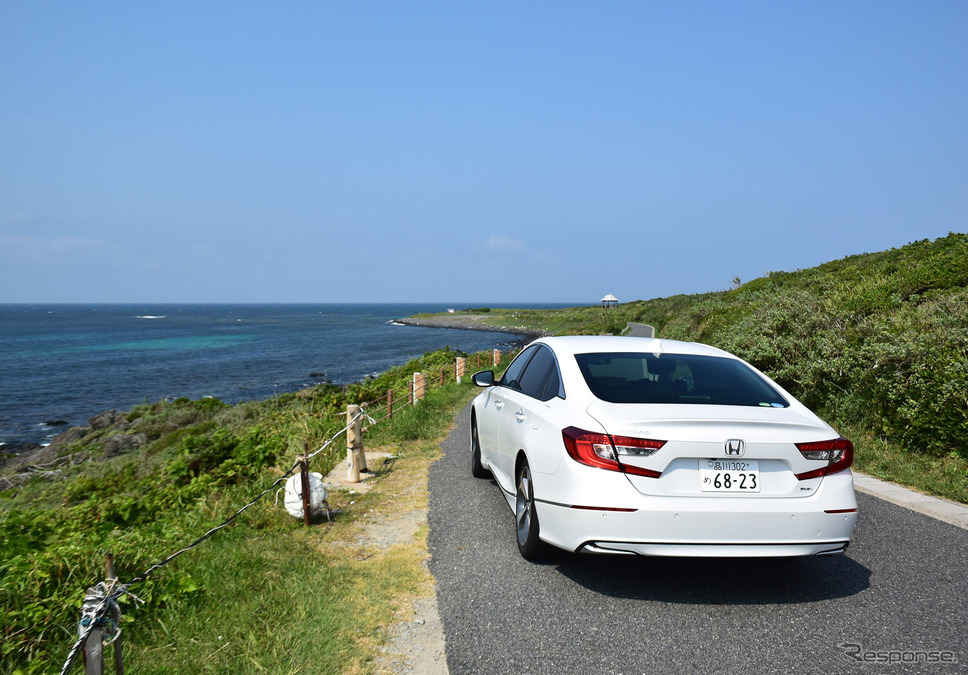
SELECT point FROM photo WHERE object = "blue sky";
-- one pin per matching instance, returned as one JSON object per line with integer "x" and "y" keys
{"x": 468, "y": 151}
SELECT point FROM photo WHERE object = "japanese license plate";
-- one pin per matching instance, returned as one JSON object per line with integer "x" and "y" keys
{"x": 729, "y": 475}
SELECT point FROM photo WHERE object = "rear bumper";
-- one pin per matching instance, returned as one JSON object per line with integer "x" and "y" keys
{"x": 715, "y": 551}
{"x": 821, "y": 524}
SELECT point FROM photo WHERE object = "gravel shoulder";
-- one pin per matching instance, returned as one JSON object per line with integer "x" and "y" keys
{"x": 414, "y": 643}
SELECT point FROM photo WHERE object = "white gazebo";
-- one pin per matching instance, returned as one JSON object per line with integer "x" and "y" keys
{"x": 609, "y": 301}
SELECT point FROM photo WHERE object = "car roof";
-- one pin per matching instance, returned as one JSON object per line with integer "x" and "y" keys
{"x": 595, "y": 344}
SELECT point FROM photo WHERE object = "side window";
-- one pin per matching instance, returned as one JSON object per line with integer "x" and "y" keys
{"x": 553, "y": 385}
{"x": 540, "y": 379}
{"x": 512, "y": 376}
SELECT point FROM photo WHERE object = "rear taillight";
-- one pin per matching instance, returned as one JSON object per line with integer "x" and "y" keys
{"x": 838, "y": 453}
{"x": 606, "y": 452}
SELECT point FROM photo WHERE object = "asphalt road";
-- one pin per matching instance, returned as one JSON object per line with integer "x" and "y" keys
{"x": 900, "y": 593}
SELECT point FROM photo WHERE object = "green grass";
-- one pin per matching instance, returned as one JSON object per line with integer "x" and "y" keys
{"x": 276, "y": 597}
{"x": 942, "y": 476}
{"x": 283, "y": 598}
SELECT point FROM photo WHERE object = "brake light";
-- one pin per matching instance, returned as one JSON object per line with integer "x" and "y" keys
{"x": 605, "y": 452}
{"x": 838, "y": 453}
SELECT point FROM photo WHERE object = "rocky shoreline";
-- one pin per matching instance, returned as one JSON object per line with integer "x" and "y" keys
{"x": 20, "y": 462}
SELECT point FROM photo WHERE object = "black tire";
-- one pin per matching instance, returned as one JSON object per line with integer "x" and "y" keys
{"x": 477, "y": 468}
{"x": 526, "y": 518}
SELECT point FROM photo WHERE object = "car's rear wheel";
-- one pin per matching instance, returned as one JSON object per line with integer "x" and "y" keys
{"x": 477, "y": 467}
{"x": 526, "y": 518}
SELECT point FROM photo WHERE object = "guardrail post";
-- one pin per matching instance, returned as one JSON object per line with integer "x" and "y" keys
{"x": 389, "y": 403}
{"x": 497, "y": 356}
{"x": 442, "y": 377}
{"x": 355, "y": 457}
{"x": 419, "y": 386}
{"x": 459, "y": 369}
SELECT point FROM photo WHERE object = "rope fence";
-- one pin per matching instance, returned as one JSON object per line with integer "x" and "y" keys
{"x": 99, "y": 626}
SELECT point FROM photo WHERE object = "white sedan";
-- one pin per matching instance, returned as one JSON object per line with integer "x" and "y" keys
{"x": 655, "y": 447}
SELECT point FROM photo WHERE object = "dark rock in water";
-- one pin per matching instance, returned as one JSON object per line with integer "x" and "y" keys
{"x": 318, "y": 375}
{"x": 121, "y": 443}
{"x": 56, "y": 423}
{"x": 108, "y": 418}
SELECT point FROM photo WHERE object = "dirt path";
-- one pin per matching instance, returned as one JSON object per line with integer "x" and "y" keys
{"x": 415, "y": 642}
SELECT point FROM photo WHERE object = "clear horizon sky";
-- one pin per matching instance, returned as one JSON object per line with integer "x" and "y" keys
{"x": 468, "y": 152}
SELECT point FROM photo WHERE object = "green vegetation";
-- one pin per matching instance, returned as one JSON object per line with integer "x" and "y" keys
{"x": 875, "y": 343}
{"x": 264, "y": 593}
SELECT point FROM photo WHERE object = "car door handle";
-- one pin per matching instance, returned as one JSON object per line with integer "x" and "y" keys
{"x": 520, "y": 416}
{"x": 498, "y": 403}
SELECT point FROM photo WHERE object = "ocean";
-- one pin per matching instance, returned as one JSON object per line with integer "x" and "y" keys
{"x": 61, "y": 364}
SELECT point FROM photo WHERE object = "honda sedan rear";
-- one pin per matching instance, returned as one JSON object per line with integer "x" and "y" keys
{"x": 656, "y": 447}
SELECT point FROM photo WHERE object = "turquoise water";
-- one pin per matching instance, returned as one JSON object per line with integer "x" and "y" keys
{"x": 65, "y": 363}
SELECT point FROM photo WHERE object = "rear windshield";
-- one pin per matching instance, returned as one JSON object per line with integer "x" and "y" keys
{"x": 676, "y": 378}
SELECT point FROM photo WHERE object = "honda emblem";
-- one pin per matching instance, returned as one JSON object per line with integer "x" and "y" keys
{"x": 735, "y": 447}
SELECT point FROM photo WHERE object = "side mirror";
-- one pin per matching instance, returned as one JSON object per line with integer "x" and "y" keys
{"x": 485, "y": 378}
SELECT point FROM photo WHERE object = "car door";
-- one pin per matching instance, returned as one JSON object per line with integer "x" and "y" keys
{"x": 494, "y": 425}
{"x": 527, "y": 407}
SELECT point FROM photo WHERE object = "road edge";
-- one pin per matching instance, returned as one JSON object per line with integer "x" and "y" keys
{"x": 945, "y": 510}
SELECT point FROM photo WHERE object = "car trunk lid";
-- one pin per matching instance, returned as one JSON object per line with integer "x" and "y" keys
{"x": 716, "y": 451}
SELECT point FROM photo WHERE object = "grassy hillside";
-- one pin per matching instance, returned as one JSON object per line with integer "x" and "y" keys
{"x": 262, "y": 594}
{"x": 876, "y": 343}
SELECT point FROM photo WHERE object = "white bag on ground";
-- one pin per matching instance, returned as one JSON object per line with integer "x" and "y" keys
{"x": 317, "y": 494}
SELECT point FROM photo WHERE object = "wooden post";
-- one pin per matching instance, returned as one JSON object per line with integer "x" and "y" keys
{"x": 442, "y": 377}
{"x": 112, "y": 578}
{"x": 389, "y": 403}
{"x": 419, "y": 386}
{"x": 304, "y": 481}
{"x": 459, "y": 369}
{"x": 497, "y": 356}
{"x": 355, "y": 457}
{"x": 94, "y": 654}
{"x": 360, "y": 453}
